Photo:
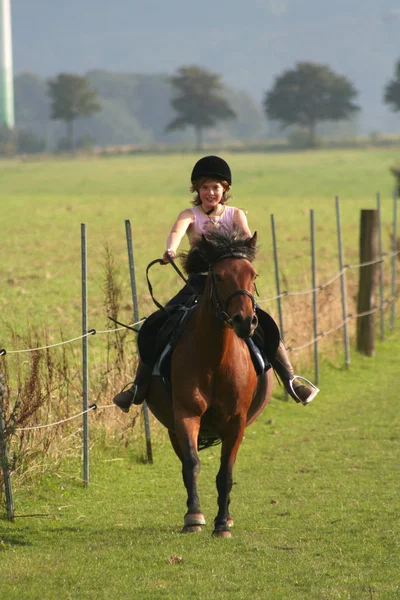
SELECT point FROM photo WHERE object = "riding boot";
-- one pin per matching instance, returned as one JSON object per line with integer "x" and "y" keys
{"x": 136, "y": 394}
{"x": 293, "y": 383}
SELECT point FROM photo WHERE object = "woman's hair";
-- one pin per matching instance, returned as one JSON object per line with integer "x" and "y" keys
{"x": 196, "y": 185}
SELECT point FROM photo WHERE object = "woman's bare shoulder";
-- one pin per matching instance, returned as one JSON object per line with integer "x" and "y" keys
{"x": 186, "y": 213}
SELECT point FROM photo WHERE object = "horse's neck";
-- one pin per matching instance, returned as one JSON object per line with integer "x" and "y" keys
{"x": 211, "y": 333}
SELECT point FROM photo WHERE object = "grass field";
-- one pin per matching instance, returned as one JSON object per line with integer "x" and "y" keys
{"x": 316, "y": 500}
{"x": 43, "y": 204}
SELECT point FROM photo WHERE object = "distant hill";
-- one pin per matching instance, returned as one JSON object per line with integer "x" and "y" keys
{"x": 135, "y": 110}
{"x": 249, "y": 42}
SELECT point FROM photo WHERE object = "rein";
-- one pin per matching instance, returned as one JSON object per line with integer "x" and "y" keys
{"x": 222, "y": 307}
{"x": 160, "y": 261}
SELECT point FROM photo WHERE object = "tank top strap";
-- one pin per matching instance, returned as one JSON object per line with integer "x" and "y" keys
{"x": 203, "y": 223}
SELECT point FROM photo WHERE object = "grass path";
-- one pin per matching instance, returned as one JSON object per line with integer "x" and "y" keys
{"x": 316, "y": 499}
{"x": 316, "y": 503}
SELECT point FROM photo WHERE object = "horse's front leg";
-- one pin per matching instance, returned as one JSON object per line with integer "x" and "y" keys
{"x": 187, "y": 430}
{"x": 230, "y": 446}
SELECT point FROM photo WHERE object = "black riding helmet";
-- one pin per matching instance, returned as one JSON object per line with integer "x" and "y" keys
{"x": 212, "y": 166}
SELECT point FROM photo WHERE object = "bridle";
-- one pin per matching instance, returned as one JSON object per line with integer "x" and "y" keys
{"x": 222, "y": 306}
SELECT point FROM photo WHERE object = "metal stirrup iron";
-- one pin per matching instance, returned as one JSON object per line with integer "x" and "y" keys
{"x": 311, "y": 396}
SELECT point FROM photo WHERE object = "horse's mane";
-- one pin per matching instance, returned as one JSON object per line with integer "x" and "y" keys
{"x": 218, "y": 244}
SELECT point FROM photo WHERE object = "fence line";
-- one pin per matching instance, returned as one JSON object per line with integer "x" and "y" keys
{"x": 285, "y": 294}
{"x": 289, "y": 348}
{"x": 340, "y": 275}
{"x": 89, "y": 409}
{"x": 387, "y": 302}
{"x": 3, "y": 351}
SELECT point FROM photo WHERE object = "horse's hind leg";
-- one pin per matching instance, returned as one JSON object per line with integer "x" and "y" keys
{"x": 185, "y": 446}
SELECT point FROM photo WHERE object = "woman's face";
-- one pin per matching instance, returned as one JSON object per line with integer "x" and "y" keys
{"x": 211, "y": 193}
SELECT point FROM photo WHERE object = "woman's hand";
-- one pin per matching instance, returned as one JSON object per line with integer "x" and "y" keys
{"x": 168, "y": 253}
{"x": 184, "y": 220}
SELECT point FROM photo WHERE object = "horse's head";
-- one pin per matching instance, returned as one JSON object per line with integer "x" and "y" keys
{"x": 232, "y": 291}
{"x": 228, "y": 259}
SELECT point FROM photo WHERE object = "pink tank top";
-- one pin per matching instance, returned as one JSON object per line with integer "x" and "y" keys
{"x": 202, "y": 223}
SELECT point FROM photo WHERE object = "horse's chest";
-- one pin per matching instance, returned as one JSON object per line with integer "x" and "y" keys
{"x": 229, "y": 384}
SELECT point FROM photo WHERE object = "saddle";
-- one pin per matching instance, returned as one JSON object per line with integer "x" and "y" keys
{"x": 161, "y": 332}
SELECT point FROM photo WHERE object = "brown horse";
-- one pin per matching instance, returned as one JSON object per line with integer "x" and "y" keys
{"x": 215, "y": 389}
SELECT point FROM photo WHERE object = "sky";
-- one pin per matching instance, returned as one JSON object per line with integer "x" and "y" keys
{"x": 250, "y": 42}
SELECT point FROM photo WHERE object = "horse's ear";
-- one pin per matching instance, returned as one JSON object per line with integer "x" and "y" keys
{"x": 252, "y": 242}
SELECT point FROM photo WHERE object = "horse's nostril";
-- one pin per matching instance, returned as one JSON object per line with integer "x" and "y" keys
{"x": 254, "y": 321}
{"x": 237, "y": 320}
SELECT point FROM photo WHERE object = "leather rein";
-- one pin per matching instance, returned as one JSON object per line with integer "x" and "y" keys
{"x": 221, "y": 306}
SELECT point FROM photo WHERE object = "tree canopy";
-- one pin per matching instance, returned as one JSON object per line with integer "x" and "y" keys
{"x": 392, "y": 90}
{"x": 71, "y": 97}
{"x": 309, "y": 94}
{"x": 199, "y": 100}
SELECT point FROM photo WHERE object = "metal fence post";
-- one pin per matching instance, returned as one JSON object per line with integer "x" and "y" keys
{"x": 342, "y": 285}
{"x": 381, "y": 290}
{"x": 278, "y": 284}
{"x": 5, "y": 465}
{"x": 145, "y": 408}
{"x": 394, "y": 257}
{"x": 277, "y": 280}
{"x": 85, "y": 386}
{"x": 315, "y": 303}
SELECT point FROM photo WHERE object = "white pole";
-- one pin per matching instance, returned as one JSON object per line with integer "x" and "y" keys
{"x": 6, "y": 67}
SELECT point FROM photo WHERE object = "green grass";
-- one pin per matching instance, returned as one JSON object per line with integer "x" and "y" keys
{"x": 43, "y": 204}
{"x": 315, "y": 502}
{"x": 316, "y": 495}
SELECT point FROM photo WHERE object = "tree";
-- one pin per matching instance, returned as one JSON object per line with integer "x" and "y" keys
{"x": 309, "y": 94}
{"x": 392, "y": 90}
{"x": 7, "y": 141}
{"x": 71, "y": 97}
{"x": 198, "y": 102}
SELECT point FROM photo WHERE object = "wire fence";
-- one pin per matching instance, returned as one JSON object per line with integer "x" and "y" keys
{"x": 285, "y": 294}
{"x": 314, "y": 290}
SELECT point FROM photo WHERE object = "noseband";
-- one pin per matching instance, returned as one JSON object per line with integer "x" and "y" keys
{"x": 222, "y": 307}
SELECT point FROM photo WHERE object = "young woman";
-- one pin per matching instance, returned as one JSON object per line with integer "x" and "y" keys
{"x": 211, "y": 181}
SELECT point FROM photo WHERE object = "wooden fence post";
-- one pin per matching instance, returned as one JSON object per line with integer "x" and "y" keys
{"x": 367, "y": 281}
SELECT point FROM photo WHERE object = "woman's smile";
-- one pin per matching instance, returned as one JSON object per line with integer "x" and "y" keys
{"x": 211, "y": 193}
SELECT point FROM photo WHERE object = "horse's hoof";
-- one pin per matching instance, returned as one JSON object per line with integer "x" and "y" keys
{"x": 194, "y": 519}
{"x": 224, "y": 533}
{"x": 192, "y": 529}
{"x": 229, "y": 523}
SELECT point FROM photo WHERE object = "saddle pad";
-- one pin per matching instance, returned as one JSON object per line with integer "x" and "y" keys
{"x": 163, "y": 365}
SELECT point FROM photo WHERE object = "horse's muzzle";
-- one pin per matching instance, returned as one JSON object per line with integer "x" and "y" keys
{"x": 244, "y": 327}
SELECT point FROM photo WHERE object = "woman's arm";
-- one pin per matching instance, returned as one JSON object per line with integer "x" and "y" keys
{"x": 184, "y": 220}
{"x": 240, "y": 221}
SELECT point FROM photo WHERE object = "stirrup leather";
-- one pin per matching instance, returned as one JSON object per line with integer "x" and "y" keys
{"x": 293, "y": 391}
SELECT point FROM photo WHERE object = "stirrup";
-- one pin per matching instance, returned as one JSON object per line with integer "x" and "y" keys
{"x": 297, "y": 398}
{"x": 121, "y": 402}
